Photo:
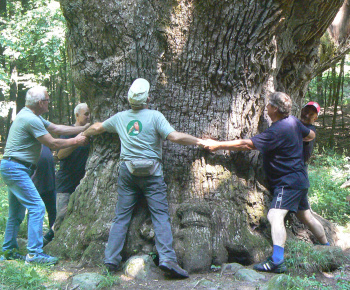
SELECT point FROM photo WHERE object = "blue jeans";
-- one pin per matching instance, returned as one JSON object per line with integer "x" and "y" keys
{"x": 22, "y": 195}
{"x": 154, "y": 189}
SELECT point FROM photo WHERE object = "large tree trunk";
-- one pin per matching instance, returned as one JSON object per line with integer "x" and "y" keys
{"x": 211, "y": 65}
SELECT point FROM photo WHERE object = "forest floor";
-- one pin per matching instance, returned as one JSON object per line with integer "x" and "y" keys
{"x": 339, "y": 279}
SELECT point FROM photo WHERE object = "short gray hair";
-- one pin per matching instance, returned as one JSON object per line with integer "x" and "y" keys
{"x": 35, "y": 95}
{"x": 282, "y": 102}
{"x": 79, "y": 107}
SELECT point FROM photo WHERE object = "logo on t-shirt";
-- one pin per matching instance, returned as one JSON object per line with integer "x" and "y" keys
{"x": 134, "y": 127}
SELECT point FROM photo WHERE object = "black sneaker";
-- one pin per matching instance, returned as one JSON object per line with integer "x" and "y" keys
{"x": 110, "y": 269}
{"x": 173, "y": 269}
{"x": 270, "y": 266}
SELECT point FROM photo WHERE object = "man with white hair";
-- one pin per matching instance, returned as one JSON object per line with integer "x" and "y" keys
{"x": 72, "y": 168}
{"x": 28, "y": 131}
{"x": 141, "y": 132}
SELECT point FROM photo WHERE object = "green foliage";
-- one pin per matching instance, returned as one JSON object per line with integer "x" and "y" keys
{"x": 327, "y": 173}
{"x": 321, "y": 88}
{"x": 109, "y": 281}
{"x": 34, "y": 40}
{"x": 298, "y": 283}
{"x": 17, "y": 275}
{"x": 303, "y": 257}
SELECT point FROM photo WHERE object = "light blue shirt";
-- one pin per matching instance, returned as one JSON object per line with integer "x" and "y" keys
{"x": 22, "y": 141}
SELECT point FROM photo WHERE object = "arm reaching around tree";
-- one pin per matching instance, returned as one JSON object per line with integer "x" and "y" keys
{"x": 55, "y": 144}
{"x": 234, "y": 145}
{"x": 184, "y": 139}
{"x": 66, "y": 130}
{"x": 94, "y": 129}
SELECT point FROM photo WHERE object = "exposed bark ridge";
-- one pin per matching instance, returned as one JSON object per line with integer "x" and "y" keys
{"x": 210, "y": 65}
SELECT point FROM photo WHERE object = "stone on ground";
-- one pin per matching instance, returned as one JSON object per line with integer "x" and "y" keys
{"x": 142, "y": 268}
{"x": 87, "y": 281}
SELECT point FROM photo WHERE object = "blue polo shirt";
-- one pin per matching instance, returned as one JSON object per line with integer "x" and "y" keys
{"x": 283, "y": 157}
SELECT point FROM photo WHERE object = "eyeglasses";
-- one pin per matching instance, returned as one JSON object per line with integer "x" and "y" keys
{"x": 46, "y": 100}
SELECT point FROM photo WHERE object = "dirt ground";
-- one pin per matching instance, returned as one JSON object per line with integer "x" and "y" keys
{"x": 64, "y": 271}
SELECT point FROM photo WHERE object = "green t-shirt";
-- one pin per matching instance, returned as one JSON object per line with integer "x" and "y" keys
{"x": 141, "y": 133}
{"x": 21, "y": 142}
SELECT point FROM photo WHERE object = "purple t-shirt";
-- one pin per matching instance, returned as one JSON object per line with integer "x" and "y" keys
{"x": 282, "y": 149}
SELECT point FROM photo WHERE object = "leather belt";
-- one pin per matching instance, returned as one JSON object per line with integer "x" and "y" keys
{"x": 26, "y": 164}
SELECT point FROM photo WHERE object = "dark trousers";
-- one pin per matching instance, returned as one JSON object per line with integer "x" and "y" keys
{"x": 49, "y": 199}
{"x": 154, "y": 189}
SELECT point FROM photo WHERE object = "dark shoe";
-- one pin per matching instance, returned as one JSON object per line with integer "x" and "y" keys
{"x": 48, "y": 237}
{"x": 12, "y": 255}
{"x": 110, "y": 269}
{"x": 270, "y": 266}
{"x": 173, "y": 269}
{"x": 41, "y": 258}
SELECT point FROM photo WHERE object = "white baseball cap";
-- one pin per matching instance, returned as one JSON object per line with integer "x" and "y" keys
{"x": 138, "y": 92}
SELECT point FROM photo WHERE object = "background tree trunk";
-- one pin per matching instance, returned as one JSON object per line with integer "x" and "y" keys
{"x": 211, "y": 65}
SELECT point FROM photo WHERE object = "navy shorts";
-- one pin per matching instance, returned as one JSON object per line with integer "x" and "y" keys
{"x": 290, "y": 199}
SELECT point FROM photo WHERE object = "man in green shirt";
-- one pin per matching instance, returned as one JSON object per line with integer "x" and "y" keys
{"x": 28, "y": 131}
{"x": 141, "y": 132}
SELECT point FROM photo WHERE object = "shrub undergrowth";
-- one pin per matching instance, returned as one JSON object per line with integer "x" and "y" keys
{"x": 21, "y": 276}
{"x": 327, "y": 172}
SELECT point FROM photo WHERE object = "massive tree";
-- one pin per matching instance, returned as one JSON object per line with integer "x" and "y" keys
{"x": 211, "y": 65}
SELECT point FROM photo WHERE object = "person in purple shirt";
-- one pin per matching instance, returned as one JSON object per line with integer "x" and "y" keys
{"x": 282, "y": 148}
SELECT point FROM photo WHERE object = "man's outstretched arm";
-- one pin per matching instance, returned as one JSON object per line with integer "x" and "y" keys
{"x": 94, "y": 129}
{"x": 234, "y": 145}
{"x": 184, "y": 139}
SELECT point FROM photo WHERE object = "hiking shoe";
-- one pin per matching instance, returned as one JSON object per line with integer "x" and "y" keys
{"x": 12, "y": 255}
{"x": 173, "y": 269}
{"x": 41, "y": 258}
{"x": 270, "y": 266}
{"x": 110, "y": 269}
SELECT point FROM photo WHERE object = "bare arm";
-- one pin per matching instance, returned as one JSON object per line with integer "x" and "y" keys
{"x": 55, "y": 144}
{"x": 66, "y": 130}
{"x": 310, "y": 137}
{"x": 234, "y": 145}
{"x": 65, "y": 152}
{"x": 184, "y": 139}
{"x": 94, "y": 129}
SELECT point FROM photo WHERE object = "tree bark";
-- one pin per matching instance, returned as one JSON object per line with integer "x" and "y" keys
{"x": 211, "y": 65}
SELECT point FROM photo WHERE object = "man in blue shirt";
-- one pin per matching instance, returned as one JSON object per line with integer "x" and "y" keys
{"x": 282, "y": 148}
{"x": 72, "y": 165}
{"x": 308, "y": 116}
